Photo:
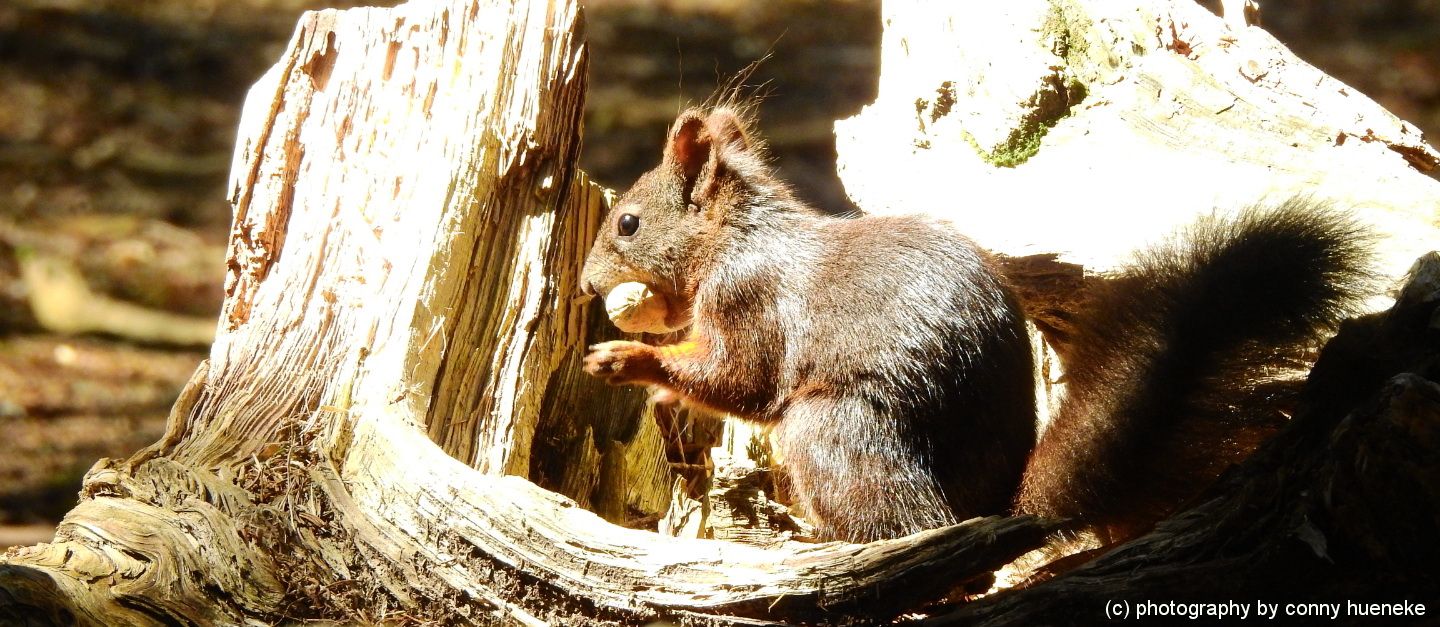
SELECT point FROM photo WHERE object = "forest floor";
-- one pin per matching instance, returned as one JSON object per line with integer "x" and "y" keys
{"x": 117, "y": 123}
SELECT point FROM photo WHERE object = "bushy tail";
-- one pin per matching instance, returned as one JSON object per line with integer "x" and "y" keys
{"x": 1158, "y": 354}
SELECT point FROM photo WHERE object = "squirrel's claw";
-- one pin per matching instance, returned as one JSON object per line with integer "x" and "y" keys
{"x": 618, "y": 362}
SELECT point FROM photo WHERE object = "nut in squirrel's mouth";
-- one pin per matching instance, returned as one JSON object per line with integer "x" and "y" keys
{"x": 638, "y": 308}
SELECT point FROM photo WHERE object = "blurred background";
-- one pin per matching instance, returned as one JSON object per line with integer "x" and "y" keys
{"x": 117, "y": 123}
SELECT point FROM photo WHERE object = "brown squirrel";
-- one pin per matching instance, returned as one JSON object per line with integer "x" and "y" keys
{"x": 891, "y": 357}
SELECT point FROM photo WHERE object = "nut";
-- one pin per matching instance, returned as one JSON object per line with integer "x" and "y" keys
{"x": 635, "y": 308}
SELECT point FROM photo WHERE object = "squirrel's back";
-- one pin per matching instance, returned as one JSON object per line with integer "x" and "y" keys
{"x": 1157, "y": 354}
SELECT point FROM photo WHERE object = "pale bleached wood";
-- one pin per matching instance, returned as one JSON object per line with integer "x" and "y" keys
{"x": 62, "y": 302}
{"x": 1152, "y": 112}
{"x": 412, "y": 153}
{"x": 1119, "y": 123}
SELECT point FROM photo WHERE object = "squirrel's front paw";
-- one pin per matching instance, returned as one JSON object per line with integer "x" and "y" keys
{"x": 622, "y": 361}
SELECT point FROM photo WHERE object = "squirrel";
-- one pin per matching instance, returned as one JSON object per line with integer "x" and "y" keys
{"x": 891, "y": 359}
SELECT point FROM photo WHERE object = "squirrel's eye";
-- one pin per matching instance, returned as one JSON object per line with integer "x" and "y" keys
{"x": 629, "y": 223}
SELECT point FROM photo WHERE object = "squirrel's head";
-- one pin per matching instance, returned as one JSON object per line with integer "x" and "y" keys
{"x": 665, "y": 231}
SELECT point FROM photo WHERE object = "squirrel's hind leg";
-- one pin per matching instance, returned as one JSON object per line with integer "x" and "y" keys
{"x": 854, "y": 475}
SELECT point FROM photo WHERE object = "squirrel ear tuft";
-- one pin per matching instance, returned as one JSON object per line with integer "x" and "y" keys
{"x": 689, "y": 145}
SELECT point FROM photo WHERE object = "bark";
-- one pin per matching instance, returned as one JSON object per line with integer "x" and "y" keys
{"x": 409, "y": 224}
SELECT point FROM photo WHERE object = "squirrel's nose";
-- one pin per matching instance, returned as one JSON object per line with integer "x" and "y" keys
{"x": 586, "y": 289}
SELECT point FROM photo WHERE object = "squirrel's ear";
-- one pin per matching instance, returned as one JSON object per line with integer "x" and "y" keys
{"x": 727, "y": 130}
{"x": 689, "y": 146}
